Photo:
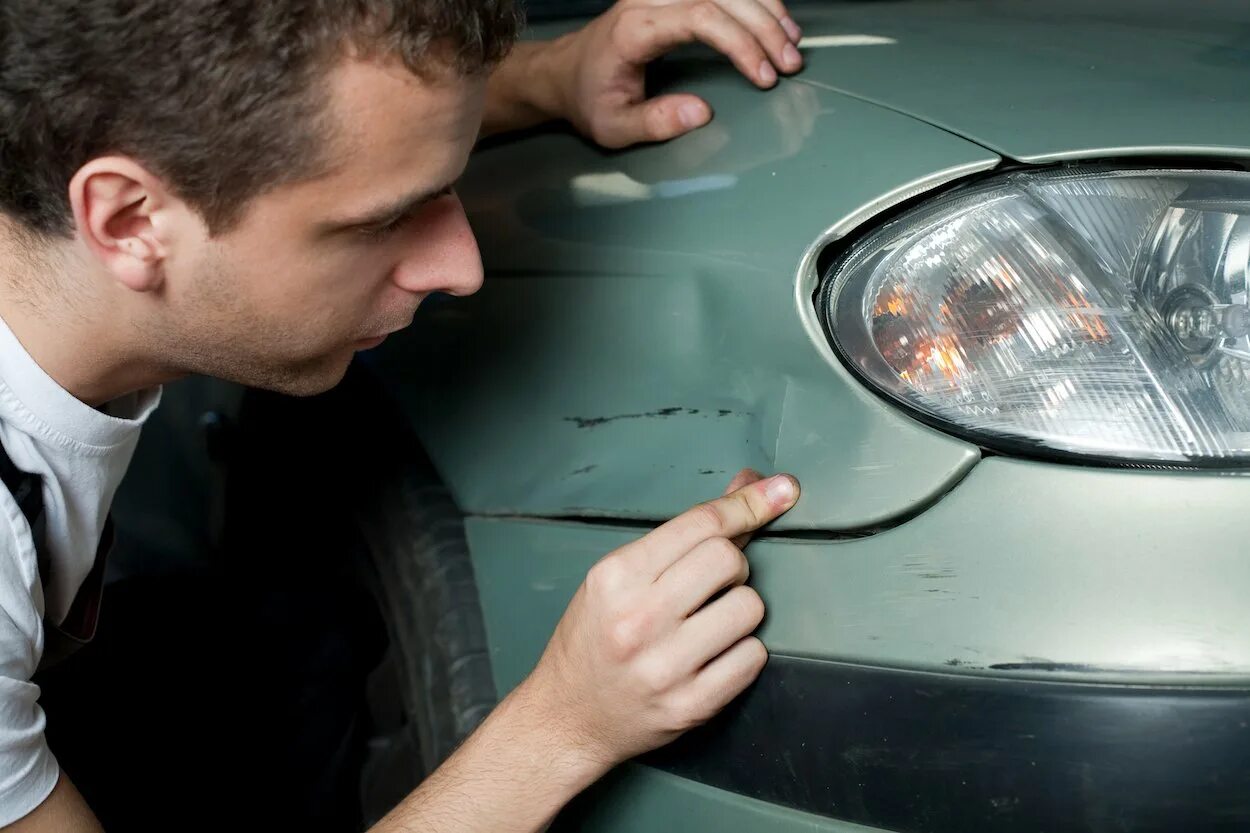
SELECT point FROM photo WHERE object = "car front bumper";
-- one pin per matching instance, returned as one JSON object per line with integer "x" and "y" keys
{"x": 1045, "y": 645}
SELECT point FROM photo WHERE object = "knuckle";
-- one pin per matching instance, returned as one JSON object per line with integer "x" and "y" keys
{"x": 755, "y": 657}
{"x": 750, "y": 605}
{"x": 749, "y": 660}
{"x": 631, "y": 24}
{"x": 705, "y": 13}
{"x": 757, "y": 654}
{"x": 729, "y": 560}
{"x": 634, "y": 18}
{"x": 777, "y": 36}
{"x": 748, "y": 508}
{"x": 606, "y": 576}
{"x": 656, "y": 121}
{"x": 656, "y": 677}
{"x": 628, "y": 634}
{"x": 708, "y": 517}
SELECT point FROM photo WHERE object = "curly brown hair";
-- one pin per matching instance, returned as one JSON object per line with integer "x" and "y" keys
{"x": 221, "y": 98}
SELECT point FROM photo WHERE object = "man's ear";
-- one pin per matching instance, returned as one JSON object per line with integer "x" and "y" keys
{"x": 120, "y": 209}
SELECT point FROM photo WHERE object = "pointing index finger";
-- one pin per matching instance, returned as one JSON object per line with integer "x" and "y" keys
{"x": 743, "y": 511}
{"x": 741, "y": 479}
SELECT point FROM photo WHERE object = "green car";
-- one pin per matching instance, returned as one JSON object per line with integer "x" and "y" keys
{"x": 979, "y": 276}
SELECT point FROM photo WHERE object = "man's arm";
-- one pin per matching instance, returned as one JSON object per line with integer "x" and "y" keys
{"x": 512, "y": 774}
{"x": 63, "y": 811}
{"x": 656, "y": 640}
{"x": 594, "y": 77}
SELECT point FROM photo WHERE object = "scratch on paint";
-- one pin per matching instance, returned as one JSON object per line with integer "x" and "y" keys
{"x": 595, "y": 422}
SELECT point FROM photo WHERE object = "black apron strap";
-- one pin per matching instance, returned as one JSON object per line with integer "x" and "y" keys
{"x": 80, "y": 624}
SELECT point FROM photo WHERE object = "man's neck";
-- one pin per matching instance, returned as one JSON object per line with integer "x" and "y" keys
{"x": 83, "y": 342}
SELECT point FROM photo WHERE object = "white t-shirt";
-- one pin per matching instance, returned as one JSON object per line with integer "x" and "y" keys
{"x": 81, "y": 453}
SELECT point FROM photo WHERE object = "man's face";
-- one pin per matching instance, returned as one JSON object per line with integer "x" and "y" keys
{"x": 319, "y": 269}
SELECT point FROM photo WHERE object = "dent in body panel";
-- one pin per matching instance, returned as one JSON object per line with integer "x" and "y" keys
{"x": 597, "y": 321}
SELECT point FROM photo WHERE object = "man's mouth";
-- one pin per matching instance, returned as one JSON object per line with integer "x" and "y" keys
{"x": 374, "y": 341}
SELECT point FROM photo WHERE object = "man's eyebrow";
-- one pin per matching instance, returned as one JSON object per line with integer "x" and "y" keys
{"x": 390, "y": 212}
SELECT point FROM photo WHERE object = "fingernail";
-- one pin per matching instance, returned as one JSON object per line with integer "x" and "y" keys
{"x": 792, "y": 29}
{"x": 780, "y": 489}
{"x": 790, "y": 56}
{"x": 691, "y": 114}
{"x": 767, "y": 74}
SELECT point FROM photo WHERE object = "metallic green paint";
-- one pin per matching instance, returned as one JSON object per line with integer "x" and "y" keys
{"x": 1041, "y": 82}
{"x": 1025, "y": 569}
{"x": 638, "y": 338}
{"x": 646, "y": 800}
{"x": 644, "y": 332}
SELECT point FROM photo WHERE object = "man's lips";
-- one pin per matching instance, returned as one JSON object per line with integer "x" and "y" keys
{"x": 374, "y": 341}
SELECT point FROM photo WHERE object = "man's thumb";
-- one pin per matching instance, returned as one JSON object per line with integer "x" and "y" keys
{"x": 658, "y": 120}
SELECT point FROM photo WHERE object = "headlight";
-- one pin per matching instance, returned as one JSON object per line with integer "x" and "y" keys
{"x": 1093, "y": 312}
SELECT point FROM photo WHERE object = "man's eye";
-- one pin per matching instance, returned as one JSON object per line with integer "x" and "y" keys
{"x": 385, "y": 230}
{"x": 380, "y": 232}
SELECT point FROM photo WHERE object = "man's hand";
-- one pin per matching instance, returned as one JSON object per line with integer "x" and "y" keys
{"x": 594, "y": 78}
{"x": 658, "y": 638}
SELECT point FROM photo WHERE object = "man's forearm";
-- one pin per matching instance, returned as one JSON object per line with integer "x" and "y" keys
{"x": 510, "y": 776}
{"x": 524, "y": 91}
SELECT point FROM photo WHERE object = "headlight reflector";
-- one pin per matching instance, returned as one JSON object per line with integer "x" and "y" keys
{"x": 1103, "y": 313}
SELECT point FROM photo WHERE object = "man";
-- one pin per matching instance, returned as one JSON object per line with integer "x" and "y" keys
{"x": 258, "y": 190}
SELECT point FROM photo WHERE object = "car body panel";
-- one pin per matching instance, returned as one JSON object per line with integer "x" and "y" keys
{"x": 639, "y": 315}
{"x": 646, "y": 800}
{"x": 1040, "y": 82}
{"x": 1025, "y": 570}
{"x": 646, "y": 329}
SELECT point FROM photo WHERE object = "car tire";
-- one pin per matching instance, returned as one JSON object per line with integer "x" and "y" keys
{"x": 435, "y": 685}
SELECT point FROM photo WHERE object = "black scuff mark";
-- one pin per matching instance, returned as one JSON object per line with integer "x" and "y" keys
{"x": 1083, "y": 668}
{"x": 1046, "y": 666}
{"x": 959, "y": 663}
{"x": 584, "y": 470}
{"x": 595, "y": 422}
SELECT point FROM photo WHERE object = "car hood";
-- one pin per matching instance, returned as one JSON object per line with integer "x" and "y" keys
{"x": 1041, "y": 82}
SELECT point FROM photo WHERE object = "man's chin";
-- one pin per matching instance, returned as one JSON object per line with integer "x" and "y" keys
{"x": 306, "y": 379}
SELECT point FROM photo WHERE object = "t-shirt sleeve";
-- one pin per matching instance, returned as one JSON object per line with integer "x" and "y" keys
{"x": 28, "y": 771}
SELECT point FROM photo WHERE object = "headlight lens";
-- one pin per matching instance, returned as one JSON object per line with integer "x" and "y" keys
{"x": 1102, "y": 313}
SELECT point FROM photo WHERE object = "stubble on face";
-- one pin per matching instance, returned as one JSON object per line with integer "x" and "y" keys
{"x": 217, "y": 333}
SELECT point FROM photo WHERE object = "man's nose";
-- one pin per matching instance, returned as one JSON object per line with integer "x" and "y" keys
{"x": 444, "y": 257}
